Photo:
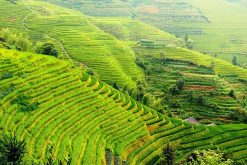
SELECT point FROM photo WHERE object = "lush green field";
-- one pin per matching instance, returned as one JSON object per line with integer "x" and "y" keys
{"x": 112, "y": 59}
{"x": 217, "y": 27}
{"x": 91, "y": 121}
{"x": 51, "y": 102}
{"x": 104, "y": 44}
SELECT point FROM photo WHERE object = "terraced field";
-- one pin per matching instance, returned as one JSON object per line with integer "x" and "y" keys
{"x": 211, "y": 75}
{"x": 172, "y": 47}
{"x": 91, "y": 121}
{"x": 88, "y": 44}
{"x": 215, "y": 30}
{"x": 112, "y": 59}
{"x": 198, "y": 81}
{"x": 130, "y": 31}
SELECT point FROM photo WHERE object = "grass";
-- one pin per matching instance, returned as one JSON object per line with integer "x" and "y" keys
{"x": 80, "y": 121}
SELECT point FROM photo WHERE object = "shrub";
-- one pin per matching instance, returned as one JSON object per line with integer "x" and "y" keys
{"x": 115, "y": 86}
{"x": 234, "y": 60}
{"x": 180, "y": 84}
{"x": 175, "y": 104}
{"x": 12, "y": 150}
{"x": 169, "y": 154}
{"x": 239, "y": 115}
{"x": 232, "y": 94}
{"x": 109, "y": 157}
{"x": 200, "y": 100}
{"x": 208, "y": 157}
{"x": 191, "y": 97}
{"x": 141, "y": 63}
{"x": 24, "y": 103}
{"x": 6, "y": 76}
{"x": 47, "y": 49}
{"x": 174, "y": 90}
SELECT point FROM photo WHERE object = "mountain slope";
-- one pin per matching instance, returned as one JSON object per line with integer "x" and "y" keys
{"x": 49, "y": 102}
{"x": 112, "y": 59}
{"x": 203, "y": 74}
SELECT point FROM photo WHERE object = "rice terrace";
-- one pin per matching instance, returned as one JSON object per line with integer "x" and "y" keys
{"x": 123, "y": 82}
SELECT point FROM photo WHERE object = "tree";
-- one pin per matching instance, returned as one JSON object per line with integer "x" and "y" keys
{"x": 234, "y": 60}
{"x": 170, "y": 155}
{"x": 115, "y": 86}
{"x": 191, "y": 97}
{"x": 180, "y": 84}
{"x": 200, "y": 100}
{"x": 207, "y": 157}
{"x": 212, "y": 66}
{"x": 186, "y": 38}
{"x": 12, "y": 150}
{"x": 146, "y": 99}
{"x": 47, "y": 49}
{"x": 189, "y": 43}
{"x": 232, "y": 94}
{"x": 174, "y": 90}
{"x": 239, "y": 115}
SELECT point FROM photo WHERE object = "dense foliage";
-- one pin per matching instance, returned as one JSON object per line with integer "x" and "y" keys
{"x": 12, "y": 150}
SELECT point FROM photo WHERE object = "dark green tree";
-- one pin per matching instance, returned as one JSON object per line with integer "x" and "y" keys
{"x": 191, "y": 97}
{"x": 200, "y": 100}
{"x": 174, "y": 90}
{"x": 180, "y": 84}
{"x": 115, "y": 86}
{"x": 169, "y": 154}
{"x": 47, "y": 49}
{"x": 232, "y": 94}
{"x": 12, "y": 150}
{"x": 186, "y": 38}
{"x": 234, "y": 60}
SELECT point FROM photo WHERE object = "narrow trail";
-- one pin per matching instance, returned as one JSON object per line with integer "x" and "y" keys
{"x": 44, "y": 34}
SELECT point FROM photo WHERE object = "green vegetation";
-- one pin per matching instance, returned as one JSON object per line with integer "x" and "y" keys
{"x": 84, "y": 117}
{"x": 11, "y": 150}
{"x": 47, "y": 49}
{"x": 80, "y": 40}
{"x": 208, "y": 157}
{"x": 166, "y": 100}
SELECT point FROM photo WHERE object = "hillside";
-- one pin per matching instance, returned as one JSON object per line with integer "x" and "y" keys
{"x": 164, "y": 64}
{"x": 49, "y": 102}
{"x": 110, "y": 46}
{"x": 77, "y": 36}
{"x": 101, "y": 118}
{"x": 215, "y": 30}
{"x": 216, "y": 27}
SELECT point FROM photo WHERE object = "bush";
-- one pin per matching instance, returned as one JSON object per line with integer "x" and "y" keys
{"x": 239, "y": 115}
{"x": 15, "y": 41}
{"x": 12, "y": 150}
{"x": 141, "y": 63}
{"x": 180, "y": 84}
{"x": 170, "y": 155}
{"x": 24, "y": 103}
{"x": 174, "y": 90}
{"x": 47, "y": 49}
{"x": 175, "y": 104}
{"x": 208, "y": 157}
{"x": 232, "y": 94}
{"x": 6, "y": 76}
{"x": 200, "y": 100}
